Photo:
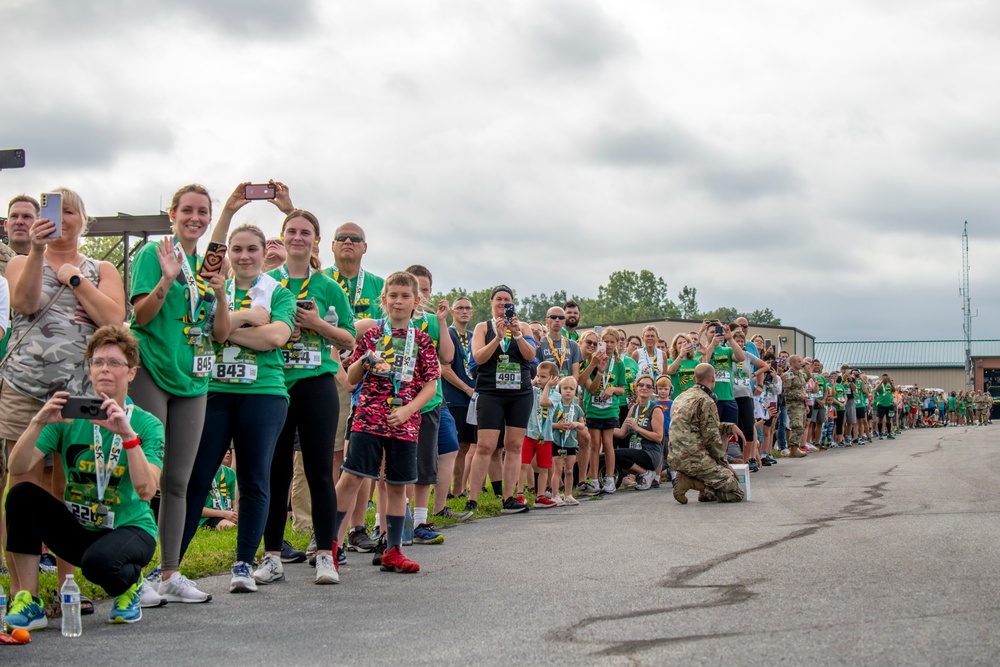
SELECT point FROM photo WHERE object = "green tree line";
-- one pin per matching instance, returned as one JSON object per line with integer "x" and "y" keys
{"x": 628, "y": 296}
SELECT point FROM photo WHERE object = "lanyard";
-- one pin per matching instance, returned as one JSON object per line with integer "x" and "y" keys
{"x": 541, "y": 414}
{"x": 231, "y": 294}
{"x": 564, "y": 350}
{"x": 195, "y": 284}
{"x": 405, "y": 373}
{"x": 304, "y": 290}
{"x": 652, "y": 363}
{"x": 505, "y": 341}
{"x": 639, "y": 418}
{"x": 215, "y": 493}
{"x": 103, "y": 471}
{"x": 344, "y": 283}
{"x": 465, "y": 342}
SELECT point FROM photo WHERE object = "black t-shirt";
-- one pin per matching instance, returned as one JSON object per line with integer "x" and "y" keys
{"x": 486, "y": 375}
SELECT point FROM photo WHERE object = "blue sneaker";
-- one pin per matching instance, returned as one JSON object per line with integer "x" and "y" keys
{"x": 425, "y": 534}
{"x": 26, "y": 612}
{"x": 127, "y": 608}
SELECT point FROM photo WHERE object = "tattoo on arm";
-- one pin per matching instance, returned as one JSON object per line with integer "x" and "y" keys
{"x": 160, "y": 294}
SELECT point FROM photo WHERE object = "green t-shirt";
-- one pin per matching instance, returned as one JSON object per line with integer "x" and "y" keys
{"x": 368, "y": 304}
{"x": 821, "y": 385}
{"x": 75, "y": 443}
{"x": 429, "y": 324}
{"x": 859, "y": 395}
{"x": 223, "y": 493}
{"x": 235, "y": 365}
{"x": 840, "y": 392}
{"x": 614, "y": 376}
{"x": 683, "y": 379}
{"x": 572, "y": 335}
{"x": 951, "y": 403}
{"x": 167, "y": 350}
{"x": 334, "y": 308}
{"x": 883, "y": 396}
{"x": 631, "y": 372}
{"x": 961, "y": 406}
{"x": 722, "y": 360}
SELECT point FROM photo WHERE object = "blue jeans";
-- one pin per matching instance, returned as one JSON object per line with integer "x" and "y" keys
{"x": 780, "y": 429}
{"x": 252, "y": 423}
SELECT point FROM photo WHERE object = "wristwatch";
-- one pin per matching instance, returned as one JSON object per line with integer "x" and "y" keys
{"x": 74, "y": 282}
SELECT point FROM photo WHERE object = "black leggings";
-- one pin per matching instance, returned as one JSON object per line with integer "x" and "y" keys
{"x": 313, "y": 410}
{"x": 112, "y": 559}
{"x": 744, "y": 406}
{"x": 626, "y": 458}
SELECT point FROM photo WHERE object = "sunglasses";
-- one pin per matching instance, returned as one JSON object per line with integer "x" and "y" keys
{"x": 557, "y": 317}
{"x": 644, "y": 385}
{"x": 353, "y": 238}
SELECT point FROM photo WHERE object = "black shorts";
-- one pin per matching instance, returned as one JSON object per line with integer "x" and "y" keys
{"x": 212, "y": 522}
{"x": 861, "y": 411}
{"x": 466, "y": 431}
{"x": 562, "y": 452}
{"x": 496, "y": 409}
{"x": 427, "y": 447}
{"x": 884, "y": 411}
{"x": 364, "y": 458}
{"x": 609, "y": 424}
{"x": 841, "y": 417}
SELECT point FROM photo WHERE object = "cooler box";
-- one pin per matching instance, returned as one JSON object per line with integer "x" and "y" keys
{"x": 743, "y": 476}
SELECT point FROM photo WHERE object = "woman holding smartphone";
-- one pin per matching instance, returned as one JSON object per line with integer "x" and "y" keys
{"x": 247, "y": 398}
{"x": 599, "y": 404}
{"x": 682, "y": 358}
{"x": 171, "y": 302}
{"x": 324, "y": 320}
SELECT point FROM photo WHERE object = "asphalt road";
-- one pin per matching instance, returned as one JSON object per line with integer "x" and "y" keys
{"x": 878, "y": 555}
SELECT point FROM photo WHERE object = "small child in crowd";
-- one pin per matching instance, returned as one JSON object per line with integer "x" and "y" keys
{"x": 566, "y": 421}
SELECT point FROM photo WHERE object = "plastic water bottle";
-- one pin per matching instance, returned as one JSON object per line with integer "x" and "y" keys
{"x": 3, "y": 610}
{"x": 408, "y": 527}
{"x": 69, "y": 595}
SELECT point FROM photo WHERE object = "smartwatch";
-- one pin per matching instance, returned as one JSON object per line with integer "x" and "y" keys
{"x": 74, "y": 282}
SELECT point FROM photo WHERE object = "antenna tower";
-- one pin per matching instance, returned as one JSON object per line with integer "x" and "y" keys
{"x": 967, "y": 307}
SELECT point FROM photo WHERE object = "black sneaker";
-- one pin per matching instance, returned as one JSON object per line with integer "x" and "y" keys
{"x": 358, "y": 540}
{"x": 379, "y": 550}
{"x": 511, "y": 506}
{"x": 447, "y": 513}
{"x": 471, "y": 505}
{"x": 753, "y": 465}
{"x": 290, "y": 554}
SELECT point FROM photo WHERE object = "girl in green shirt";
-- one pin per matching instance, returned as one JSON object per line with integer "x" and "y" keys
{"x": 247, "y": 397}
{"x": 605, "y": 381}
{"x": 324, "y": 322}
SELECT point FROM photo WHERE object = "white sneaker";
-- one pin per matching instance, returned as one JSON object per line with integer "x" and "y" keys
{"x": 179, "y": 588}
{"x": 590, "y": 488}
{"x": 242, "y": 581}
{"x": 326, "y": 571}
{"x": 570, "y": 501}
{"x": 148, "y": 597}
{"x": 645, "y": 481}
{"x": 270, "y": 570}
{"x": 609, "y": 485}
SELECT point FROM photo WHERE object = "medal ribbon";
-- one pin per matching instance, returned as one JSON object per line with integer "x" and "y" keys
{"x": 103, "y": 471}
{"x": 196, "y": 285}
{"x": 465, "y": 341}
{"x": 552, "y": 346}
{"x": 304, "y": 290}
{"x": 389, "y": 356}
{"x": 345, "y": 284}
{"x": 231, "y": 294}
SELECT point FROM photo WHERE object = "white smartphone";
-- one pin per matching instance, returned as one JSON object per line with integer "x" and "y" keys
{"x": 51, "y": 205}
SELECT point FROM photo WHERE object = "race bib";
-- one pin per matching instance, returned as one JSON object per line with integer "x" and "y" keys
{"x": 302, "y": 358}
{"x": 203, "y": 365}
{"x": 88, "y": 514}
{"x": 721, "y": 376}
{"x": 606, "y": 403}
{"x": 508, "y": 374}
{"x": 236, "y": 365}
{"x": 204, "y": 355}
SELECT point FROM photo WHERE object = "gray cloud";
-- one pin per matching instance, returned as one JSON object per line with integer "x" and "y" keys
{"x": 56, "y": 139}
{"x": 730, "y": 182}
{"x": 645, "y": 146}
{"x": 573, "y": 35}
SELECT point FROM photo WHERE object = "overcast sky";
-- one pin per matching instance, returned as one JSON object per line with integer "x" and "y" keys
{"x": 815, "y": 158}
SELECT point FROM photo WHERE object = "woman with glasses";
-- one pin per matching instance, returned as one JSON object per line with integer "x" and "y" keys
{"x": 643, "y": 427}
{"x": 100, "y": 520}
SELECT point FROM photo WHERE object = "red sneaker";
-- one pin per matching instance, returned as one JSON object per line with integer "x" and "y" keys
{"x": 520, "y": 499}
{"x": 541, "y": 502}
{"x": 393, "y": 560}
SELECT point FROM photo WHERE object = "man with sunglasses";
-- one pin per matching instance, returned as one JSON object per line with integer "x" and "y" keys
{"x": 744, "y": 324}
{"x": 558, "y": 349}
{"x": 364, "y": 290}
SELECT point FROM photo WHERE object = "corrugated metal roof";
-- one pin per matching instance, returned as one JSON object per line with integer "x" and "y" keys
{"x": 902, "y": 353}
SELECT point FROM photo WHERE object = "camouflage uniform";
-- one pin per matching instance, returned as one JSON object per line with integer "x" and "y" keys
{"x": 696, "y": 447}
{"x": 5, "y": 255}
{"x": 794, "y": 388}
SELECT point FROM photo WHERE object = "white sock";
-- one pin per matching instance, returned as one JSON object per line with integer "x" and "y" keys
{"x": 419, "y": 515}
{"x": 377, "y": 524}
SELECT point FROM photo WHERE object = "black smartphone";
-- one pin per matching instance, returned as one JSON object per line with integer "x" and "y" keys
{"x": 508, "y": 312}
{"x": 718, "y": 331}
{"x": 262, "y": 191}
{"x": 304, "y": 304}
{"x": 12, "y": 158}
{"x": 84, "y": 407}
{"x": 212, "y": 263}
{"x": 767, "y": 344}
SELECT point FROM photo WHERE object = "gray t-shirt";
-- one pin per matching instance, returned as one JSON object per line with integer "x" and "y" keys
{"x": 743, "y": 376}
{"x": 565, "y": 351}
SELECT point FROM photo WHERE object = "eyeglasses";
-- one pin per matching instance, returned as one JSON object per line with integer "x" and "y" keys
{"x": 644, "y": 385}
{"x": 113, "y": 364}
{"x": 353, "y": 238}
{"x": 462, "y": 308}
{"x": 557, "y": 317}
{"x": 589, "y": 342}
{"x": 743, "y": 326}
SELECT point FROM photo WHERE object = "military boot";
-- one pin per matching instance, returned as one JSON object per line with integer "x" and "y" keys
{"x": 796, "y": 453}
{"x": 683, "y": 484}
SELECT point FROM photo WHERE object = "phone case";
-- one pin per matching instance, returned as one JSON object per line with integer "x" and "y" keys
{"x": 213, "y": 260}
{"x": 51, "y": 205}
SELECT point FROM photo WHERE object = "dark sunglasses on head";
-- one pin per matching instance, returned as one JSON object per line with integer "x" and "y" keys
{"x": 353, "y": 238}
